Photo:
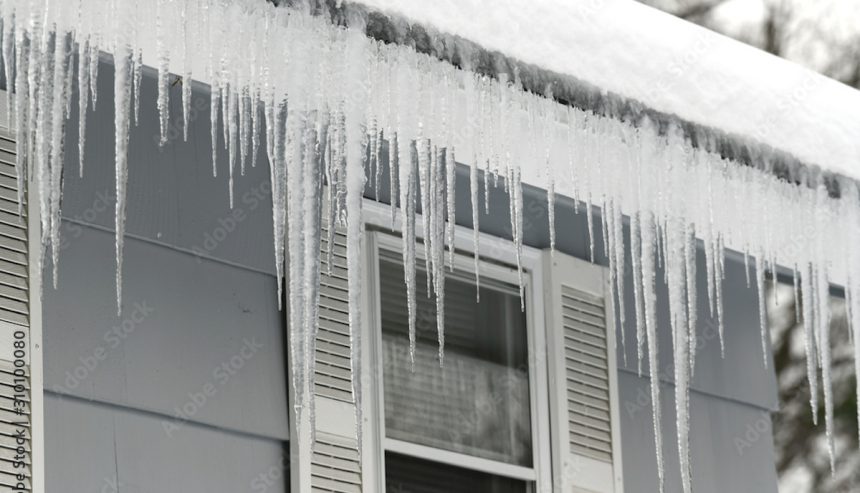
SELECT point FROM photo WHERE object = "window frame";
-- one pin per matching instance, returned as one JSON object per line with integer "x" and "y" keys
{"x": 497, "y": 256}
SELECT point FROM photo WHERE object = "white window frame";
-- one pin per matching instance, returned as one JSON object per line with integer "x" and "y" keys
{"x": 494, "y": 253}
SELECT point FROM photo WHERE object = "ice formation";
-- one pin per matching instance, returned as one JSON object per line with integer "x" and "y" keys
{"x": 324, "y": 97}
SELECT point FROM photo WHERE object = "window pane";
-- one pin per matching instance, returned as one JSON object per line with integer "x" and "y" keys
{"x": 405, "y": 474}
{"x": 478, "y": 402}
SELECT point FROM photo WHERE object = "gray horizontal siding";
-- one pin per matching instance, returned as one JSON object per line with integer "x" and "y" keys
{"x": 200, "y": 336}
{"x": 731, "y": 445}
{"x": 741, "y": 376}
{"x": 172, "y": 196}
{"x": 186, "y": 325}
{"x": 96, "y": 448}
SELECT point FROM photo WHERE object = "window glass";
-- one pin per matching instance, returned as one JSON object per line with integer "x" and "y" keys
{"x": 405, "y": 474}
{"x": 477, "y": 403}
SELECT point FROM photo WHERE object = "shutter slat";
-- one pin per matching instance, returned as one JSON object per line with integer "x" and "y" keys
{"x": 334, "y": 465}
{"x": 12, "y": 279}
{"x": 10, "y": 182}
{"x": 11, "y": 206}
{"x": 8, "y": 478}
{"x": 14, "y": 246}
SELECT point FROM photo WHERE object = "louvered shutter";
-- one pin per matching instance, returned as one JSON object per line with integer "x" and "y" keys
{"x": 335, "y": 463}
{"x": 583, "y": 377}
{"x": 332, "y": 379}
{"x": 16, "y": 438}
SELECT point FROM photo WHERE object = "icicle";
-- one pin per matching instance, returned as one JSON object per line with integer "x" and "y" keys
{"x": 607, "y": 216}
{"x": 618, "y": 239}
{"x": 718, "y": 289}
{"x": 692, "y": 311}
{"x": 439, "y": 231}
{"x": 450, "y": 195}
{"x": 294, "y": 192}
{"x": 550, "y": 207}
{"x": 41, "y": 92}
{"x": 68, "y": 78}
{"x": 649, "y": 298}
{"x": 243, "y": 134}
{"x": 225, "y": 113}
{"x": 476, "y": 237}
{"x": 57, "y": 114}
{"x": 408, "y": 192}
{"x": 83, "y": 100}
{"x": 278, "y": 174}
{"x": 232, "y": 125}
{"x": 408, "y": 171}
{"x": 608, "y": 247}
{"x": 122, "y": 59}
{"x": 186, "y": 73}
{"x": 809, "y": 339}
{"x": 9, "y": 57}
{"x": 95, "y": 52}
{"x": 710, "y": 270}
{"x": 675, "y": 265}
{"x": 186, "y": 103}
{"x": 393, "y": 175}
{"x": 375, "y": 166}
{"x": 355, "y": 179}
{"x": 214, "y": 104}
{"x": 309, "y": 188}
{"x": 822, "y": 291}
{"x": 255, "y": 131}
{"x": 639, "y": 302}
{"x": 137, "y": 79}
{"x": 422, "y": 149}
{"x": 22, "y": 114}
{"x": 163, "y": 71}
{"x": 795, "y": 281}
{"x": 855, "y": 321}
{"x": 762, "y": 311}
{"x": 589, "y": 214}
{"x": 517, "y": 220}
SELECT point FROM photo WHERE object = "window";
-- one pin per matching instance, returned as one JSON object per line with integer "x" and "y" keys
{"x": 468, "y": 425}
{"x": 526, "y": 400}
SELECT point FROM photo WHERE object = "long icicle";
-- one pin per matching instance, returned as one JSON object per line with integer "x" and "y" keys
{"x": 675, "y": 264}
{"x": 649, "y": 295}
{"x": 122, "y": 96}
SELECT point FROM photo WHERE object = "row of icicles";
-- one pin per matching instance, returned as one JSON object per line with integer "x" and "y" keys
{"x": 326, "y": 101}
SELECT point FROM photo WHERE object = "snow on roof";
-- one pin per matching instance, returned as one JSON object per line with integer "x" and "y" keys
{"x": 666, "y": 63}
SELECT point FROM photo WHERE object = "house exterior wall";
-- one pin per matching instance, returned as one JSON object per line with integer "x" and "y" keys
{"x": 205, "y": 276}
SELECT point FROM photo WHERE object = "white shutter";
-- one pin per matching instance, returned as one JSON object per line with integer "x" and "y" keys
{"x": 16, "y": 409}
{"x": 335, "y": 465}
{"x": 583, "y": 377}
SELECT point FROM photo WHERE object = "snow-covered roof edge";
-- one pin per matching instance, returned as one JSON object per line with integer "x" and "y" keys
{"x": 623, "y": 58}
